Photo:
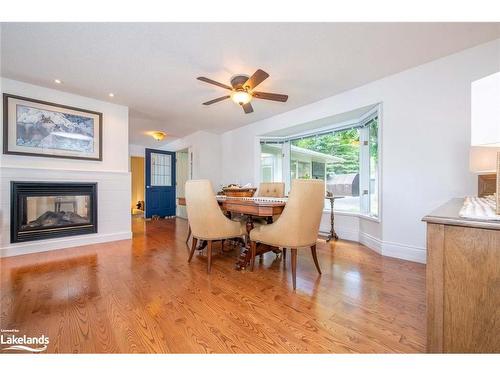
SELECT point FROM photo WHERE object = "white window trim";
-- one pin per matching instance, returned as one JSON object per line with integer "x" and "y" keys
{"x": 366, "y": 117}
{"x": 353, "y": 214}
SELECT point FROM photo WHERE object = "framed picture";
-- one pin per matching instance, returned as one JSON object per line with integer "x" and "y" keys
{"x": 36, "y": 128}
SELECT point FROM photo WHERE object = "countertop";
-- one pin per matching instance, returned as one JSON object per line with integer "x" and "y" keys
{"x": 448, "y": 214}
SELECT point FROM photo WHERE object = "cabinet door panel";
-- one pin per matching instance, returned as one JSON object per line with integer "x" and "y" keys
{"x": 471, "y": 290}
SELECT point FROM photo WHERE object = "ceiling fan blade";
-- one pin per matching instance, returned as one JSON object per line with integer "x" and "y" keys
{"x": 270, "y": 96}
{"x": 217, "y": 100}
{"x": 211, "y": 81}
{"x": 255, "y": 79}
{"x": 247, "y": 108}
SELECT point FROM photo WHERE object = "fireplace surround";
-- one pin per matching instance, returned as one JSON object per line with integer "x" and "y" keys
{"x": 43, "y": 210}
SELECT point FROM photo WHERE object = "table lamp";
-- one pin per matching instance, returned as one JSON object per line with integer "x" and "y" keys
{"x": 485, "y": 128}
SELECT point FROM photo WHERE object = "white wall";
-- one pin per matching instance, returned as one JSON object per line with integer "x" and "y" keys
{"x": 181, "y": 175}
{"x": 111, "y": 174}
{"x": 425, "y": 144}
{"x": 206, "y": 152}
{"x": 115, "y": 130}
{"x": 136, "y": 150}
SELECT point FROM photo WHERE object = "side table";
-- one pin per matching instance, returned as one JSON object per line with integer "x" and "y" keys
{"x": 333, "y": 235}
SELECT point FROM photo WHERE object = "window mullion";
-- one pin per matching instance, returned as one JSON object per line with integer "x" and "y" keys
{"x": 286, "y": 165}
{"x": 364, "y": 171}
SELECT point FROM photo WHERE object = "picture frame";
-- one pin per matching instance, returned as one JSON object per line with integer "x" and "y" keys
{"x": 33, "y": 127}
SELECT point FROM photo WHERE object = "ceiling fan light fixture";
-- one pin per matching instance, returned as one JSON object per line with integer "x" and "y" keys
{"x": 242, "y": 90}
{"x": 241, "y": 97}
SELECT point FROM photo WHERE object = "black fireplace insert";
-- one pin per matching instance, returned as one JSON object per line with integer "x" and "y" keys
{"x": 42, "y": 210}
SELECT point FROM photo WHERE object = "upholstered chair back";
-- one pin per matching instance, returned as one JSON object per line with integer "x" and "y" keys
{"x": 205, "y": 217}
{"x": 298, "y": 224}
{"x": 271, "y": 189}
{"x": 302, "y": 213}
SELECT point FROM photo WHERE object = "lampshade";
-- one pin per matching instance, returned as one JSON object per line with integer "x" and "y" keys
{"x": 483, "y": 159}
{"x": 485, "y": 111}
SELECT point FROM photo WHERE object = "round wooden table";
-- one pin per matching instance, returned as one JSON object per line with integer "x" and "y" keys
{"x": 250, "y": 208}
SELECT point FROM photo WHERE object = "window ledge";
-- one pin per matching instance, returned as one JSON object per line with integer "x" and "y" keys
{"x": 354, "y": 214}
{"x": 370, "y": 218}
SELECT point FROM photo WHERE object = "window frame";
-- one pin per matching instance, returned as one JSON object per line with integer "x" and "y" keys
{"x": 376, "y": 112}
{"x": 365, "y": 209}
{"x": 157, "y": 176}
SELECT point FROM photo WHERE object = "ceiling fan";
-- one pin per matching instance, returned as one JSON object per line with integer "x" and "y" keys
{"x": 242, "y": 90}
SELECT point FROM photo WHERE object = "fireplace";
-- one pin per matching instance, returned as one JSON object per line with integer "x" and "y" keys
{"x": 42, "y": 210}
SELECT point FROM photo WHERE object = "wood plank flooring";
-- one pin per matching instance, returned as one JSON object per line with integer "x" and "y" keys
{"x": 141, "y": 296}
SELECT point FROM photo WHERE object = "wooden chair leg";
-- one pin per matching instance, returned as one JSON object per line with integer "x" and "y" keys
{"x": 284, "y": 253}
{"x": 222, "y": 246}
{"x": 189, "y": 233}
{"x": 315, "y": 258}
{"x": 253, "y": 250}
{"x": 294, "y": 268}
{"x": 193, "y": 248}
{"x": 209, "y": 254}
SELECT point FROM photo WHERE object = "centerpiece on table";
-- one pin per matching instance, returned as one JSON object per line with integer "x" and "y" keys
{"x": 235, "y": 190}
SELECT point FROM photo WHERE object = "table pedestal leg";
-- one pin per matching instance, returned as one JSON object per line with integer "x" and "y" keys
{"x": 244, "y": 259}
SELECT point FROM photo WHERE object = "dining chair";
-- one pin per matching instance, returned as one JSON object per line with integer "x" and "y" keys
{"x": 206, "y": 219}
{"x": 298, "y": 225}
{"x": 271, "y": 189}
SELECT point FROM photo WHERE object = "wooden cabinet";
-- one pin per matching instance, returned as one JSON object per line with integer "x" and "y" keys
{"x": 463, "y": 283}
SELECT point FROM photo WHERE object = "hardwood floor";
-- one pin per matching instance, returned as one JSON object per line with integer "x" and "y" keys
{"x": 143, "y": 296}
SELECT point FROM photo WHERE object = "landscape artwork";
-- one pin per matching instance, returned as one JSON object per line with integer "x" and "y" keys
{"x": 53, "y": 130}
{"x": 38, "y": 128}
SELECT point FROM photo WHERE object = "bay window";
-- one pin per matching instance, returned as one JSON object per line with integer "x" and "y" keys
{"x": 345, "y": 157}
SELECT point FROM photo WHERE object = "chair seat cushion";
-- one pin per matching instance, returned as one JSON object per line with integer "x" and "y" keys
{"x": 264, "y": 233}
{"x": 234, "y": 229}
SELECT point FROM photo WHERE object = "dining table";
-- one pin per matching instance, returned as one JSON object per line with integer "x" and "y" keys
{"x": 250, "y": 208}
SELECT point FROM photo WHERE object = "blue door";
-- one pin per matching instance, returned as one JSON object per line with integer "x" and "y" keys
{"x": 160, "y": 183}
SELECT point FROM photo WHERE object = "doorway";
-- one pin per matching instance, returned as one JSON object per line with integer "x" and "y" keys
{"x": 160, "y": 180}
{"x": 137, "y": 202}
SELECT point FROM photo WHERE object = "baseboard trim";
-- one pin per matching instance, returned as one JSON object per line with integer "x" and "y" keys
{"x": 371, "y": 242}
{"x": 61, "y": 243}
{"x": 384, "y": 248}
{"x": 400, "y": 251}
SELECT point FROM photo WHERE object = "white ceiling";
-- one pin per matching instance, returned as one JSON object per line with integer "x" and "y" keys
{"x": 152, "y": 68}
